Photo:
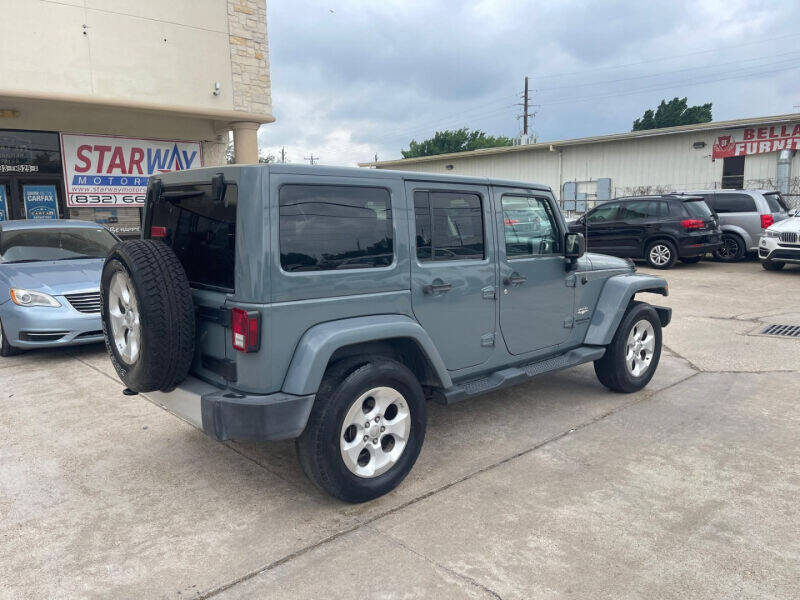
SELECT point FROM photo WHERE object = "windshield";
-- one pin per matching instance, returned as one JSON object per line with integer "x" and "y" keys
{"x": 697, "y": 208}
{"x": 776, "y": 203}
{"x": 66, "y": 243}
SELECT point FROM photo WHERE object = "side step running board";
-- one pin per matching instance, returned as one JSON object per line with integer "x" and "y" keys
{"x": 519, "y": 374}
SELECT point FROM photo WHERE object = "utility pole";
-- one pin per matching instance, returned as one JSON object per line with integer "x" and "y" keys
{"x": 525, "y": 109}
{"x": 376, "y": 157}
{"x": 312, "y": 160}
{"x": 283, "y": 154}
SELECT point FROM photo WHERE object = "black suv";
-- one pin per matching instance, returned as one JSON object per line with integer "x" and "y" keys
{"x": 659, "y": 229}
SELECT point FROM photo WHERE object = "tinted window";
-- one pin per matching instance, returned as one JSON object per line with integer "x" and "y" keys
{"x": 697, "y": 208}
{"x": 529, "y": 225}
{"x": 776, "y": 203}
{"x": 605, "y": 212}
{"x": 728, "y": 203}
{"x": 65, "y": 243}
{"x": 201, "y": 231}
{"x": 326, "y": 227}
{"x": 641, "y": 210}
{"x": 449, "y": 226}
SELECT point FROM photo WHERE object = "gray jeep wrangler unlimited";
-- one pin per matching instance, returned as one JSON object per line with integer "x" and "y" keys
{"x": 327, "y": 305}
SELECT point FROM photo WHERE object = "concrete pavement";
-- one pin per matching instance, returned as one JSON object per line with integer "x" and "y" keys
{"x": 557, "y": 488}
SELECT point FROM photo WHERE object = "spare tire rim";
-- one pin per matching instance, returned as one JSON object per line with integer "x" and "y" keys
{"x": 640, "y": 348}
{"x": 123, "y": 312}
{"x": 375, "y": 432}
{"x": 660, "y": 255}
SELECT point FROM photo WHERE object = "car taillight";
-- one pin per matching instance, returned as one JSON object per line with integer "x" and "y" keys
{"x": 510, "y": 222}
{"x": 245, "y": 330}
{"x": 692, "y": 224}
{"x": 766, "y": 221}
{"x": 158, "y": 232}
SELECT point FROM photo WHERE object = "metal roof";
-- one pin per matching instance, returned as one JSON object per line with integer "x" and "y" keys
{"x": 699, "y": 127}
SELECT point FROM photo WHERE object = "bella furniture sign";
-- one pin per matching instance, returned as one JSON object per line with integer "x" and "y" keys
{"x": 757, "y": 140}
{"x": 113, "y": 171}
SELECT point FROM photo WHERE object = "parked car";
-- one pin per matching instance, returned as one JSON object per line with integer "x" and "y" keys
{"x": 50, "y": 283}
{"x": 743, "y": 217}
{"x": 780, "y": 244}
{"x": 659, "y": 229}
{"x": 332, "y": 303}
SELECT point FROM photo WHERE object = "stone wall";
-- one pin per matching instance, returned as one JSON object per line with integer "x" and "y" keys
{"x": 247, "y": 27}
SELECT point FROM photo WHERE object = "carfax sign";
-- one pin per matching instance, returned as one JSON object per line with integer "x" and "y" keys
{"x": 112, "y": 171}
{"x": 41, "y": 201}
{"x": 3, "y": 204}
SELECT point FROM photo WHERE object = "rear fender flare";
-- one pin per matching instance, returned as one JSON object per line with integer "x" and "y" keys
{"x": 318, "y": 344}
{"x": 613, "y": 302}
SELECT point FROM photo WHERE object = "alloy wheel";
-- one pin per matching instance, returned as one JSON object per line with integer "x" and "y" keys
{"x": 660, "y": 255}
{"x": 375, "y": 432}
{"x": 123, "y": 311}
{"x": 640, "y": 348}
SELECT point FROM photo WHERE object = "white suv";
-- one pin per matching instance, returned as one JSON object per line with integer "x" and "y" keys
{"x": 780, "y": 244}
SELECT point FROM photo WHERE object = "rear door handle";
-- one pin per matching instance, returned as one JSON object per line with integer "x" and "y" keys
{"x": 515, "y": 279}
{"x": 437, "y": 287}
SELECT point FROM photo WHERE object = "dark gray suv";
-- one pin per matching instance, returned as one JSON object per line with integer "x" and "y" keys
{"x": 327, "y": 305}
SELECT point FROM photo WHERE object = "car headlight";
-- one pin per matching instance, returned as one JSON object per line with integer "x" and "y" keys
{"x": 772, "y": 234}
{"x": 31, "y": 298}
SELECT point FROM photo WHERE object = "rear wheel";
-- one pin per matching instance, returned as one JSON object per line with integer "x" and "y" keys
{"x": 690, "y": 260}
{"x": 632, "y": 356}
{"x": 732, "y": 248}
{"x": 772, "y": 265}
{"x": 6, "y": 349}
{"x": 148, "y": 315}
{"x": 366, "y": 429}
{"x": 661, "y": 254}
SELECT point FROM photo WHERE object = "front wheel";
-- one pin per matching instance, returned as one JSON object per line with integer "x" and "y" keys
{"x": 632, "y": 356}
{"x": 365, "y": 430}
{"x": 661, "y": 254}
{"x": 6, "y": 349}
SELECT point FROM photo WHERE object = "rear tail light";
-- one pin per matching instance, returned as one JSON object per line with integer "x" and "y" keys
{"x": 510, "y": 222}
{"x": 158, "y": 232}
{"x": 245, "y": 330}
{"x": 692, "y": 224}
{"x": 766, "y": 221}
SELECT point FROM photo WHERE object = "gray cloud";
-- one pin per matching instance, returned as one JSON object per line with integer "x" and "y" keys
{"x": 370, "y": 76}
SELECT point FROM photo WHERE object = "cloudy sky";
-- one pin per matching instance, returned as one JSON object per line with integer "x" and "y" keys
{"x": 351, "y": 79}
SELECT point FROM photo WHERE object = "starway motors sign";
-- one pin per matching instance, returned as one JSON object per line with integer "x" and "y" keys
{"x": 757, "y": 140}
{"x": 104, "y": 170}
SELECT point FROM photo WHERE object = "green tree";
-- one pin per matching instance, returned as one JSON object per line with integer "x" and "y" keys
{"x": 672, "y": 113}
{"x": 454, "y": 140}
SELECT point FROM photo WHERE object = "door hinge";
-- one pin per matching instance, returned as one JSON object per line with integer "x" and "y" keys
{"x": 569, "y": 323}
{"x": 488, "y": 292}
{"x": 487, "y": 340}
{"x": 224, "y": 367}
{"x": 570, "y": 281}
{"x": 221, "y": 315}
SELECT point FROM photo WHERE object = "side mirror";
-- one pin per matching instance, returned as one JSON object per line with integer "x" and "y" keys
{"x": 574, "y": 248}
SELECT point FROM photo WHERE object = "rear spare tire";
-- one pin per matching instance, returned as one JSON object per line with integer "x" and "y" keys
{"x": 148, "y": 315}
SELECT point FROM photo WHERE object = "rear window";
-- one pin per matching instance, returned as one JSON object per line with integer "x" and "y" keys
{"x": 733, "y": 203}
{"x": 202, "y": 232}
{"x": 697, "y": 208}
{"x": 327, "y": 227}
{"x": 776, "y": 203}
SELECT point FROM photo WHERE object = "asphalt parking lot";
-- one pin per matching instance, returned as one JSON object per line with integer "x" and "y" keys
{"x": 558, "y": 488}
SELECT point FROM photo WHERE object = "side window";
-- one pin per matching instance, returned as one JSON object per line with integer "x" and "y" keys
{"x": 530, "y": 227}
{"x": 449, "y": 226}
{"x": 326, "y": 227}
{"x": 605, "y": 212}
{"x": 641, "y": 210}
{"x": 728, "y": 203}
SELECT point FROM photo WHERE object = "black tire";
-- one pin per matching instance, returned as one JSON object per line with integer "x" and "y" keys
{"x": 670, "y": 254}
{"x": 772, "y": 265}
{"x": 6, "y": 349}
{"x": 691, "y": 260}
{"x": 166, "y": 315}
{"x": 611, "y": 369}
{"x": 732, "y": 249}
{"x": 318, "y": 448}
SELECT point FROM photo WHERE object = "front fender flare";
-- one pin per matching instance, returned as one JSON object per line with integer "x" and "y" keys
{"x": 613, "y": 302}
{"x": 318, "y": 344}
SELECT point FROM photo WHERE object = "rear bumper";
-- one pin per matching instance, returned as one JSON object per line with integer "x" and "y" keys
{"x": 699, "y": 245}
{"x": 229, "y": 415}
